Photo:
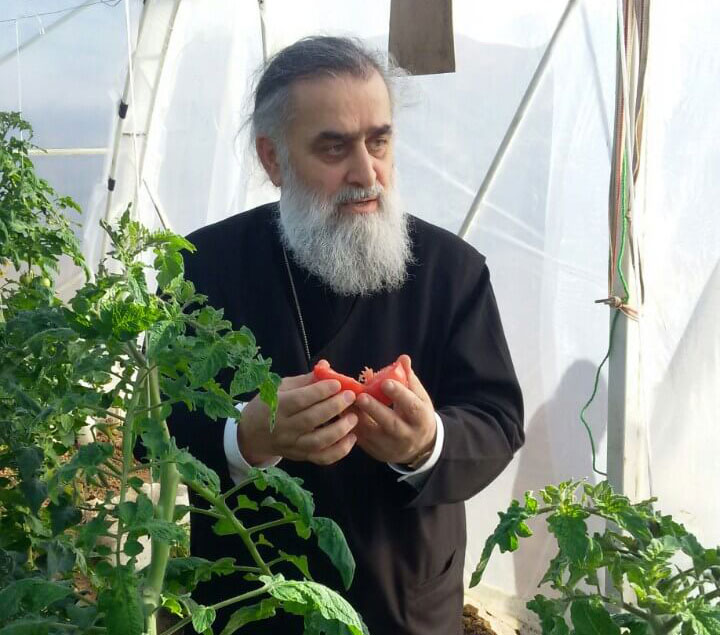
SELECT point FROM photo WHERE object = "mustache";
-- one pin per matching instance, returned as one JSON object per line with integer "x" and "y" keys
{"x": 355, "y": 194}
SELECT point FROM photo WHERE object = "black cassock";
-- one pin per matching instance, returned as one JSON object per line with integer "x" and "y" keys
{"x": 408, "y": 543}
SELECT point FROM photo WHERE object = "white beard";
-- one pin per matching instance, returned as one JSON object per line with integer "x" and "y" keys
{"x": 354, "y": 254}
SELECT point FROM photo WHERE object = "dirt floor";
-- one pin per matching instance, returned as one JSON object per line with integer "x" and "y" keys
{"x": 473, "y": 624}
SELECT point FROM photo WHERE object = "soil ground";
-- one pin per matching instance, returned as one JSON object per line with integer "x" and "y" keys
{"x": 473, "y": 624}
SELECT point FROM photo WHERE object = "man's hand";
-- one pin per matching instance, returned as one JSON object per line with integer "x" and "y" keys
{"x": 402, "y": 433}
{"x": 304, "y": 406}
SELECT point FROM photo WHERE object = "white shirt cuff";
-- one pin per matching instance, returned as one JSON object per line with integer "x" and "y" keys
{"x": 418, "y": 477}
{"x": 237, "y": 465}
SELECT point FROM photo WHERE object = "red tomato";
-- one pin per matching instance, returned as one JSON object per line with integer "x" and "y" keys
{"x": 322, "y": 371}
{"x": 371, "y": 381}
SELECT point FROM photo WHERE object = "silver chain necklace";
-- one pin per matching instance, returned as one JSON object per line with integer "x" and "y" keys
{"x": 297, "y": 307}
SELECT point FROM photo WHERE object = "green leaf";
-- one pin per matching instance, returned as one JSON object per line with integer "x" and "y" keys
{"x": 300, "y": 562}
{"x": 705, "y": 619}
{"x": 132, "y": 547}
{"x": 215, "y": 401}
{"x": 253, "y": 613}
{"x": 213, "y": 360}
{"x": 268, "y": 394}
{"x": 28, "y": 626}
{"x": 169, "y": 266}
{"x": 171, "y": 603}
{"x": 60, "y": 558}
{"x": 635, "y": 625}
{"x": 550, "y": 613}
{"x": 82, "y": 616}
{"x": 63, "y": 514}
{"x": 290, "y": 487}
{"x": 512, "y": 524}
{"x": 202, "y": 618}
{"x": 87, "y": 458}
{"x": 35, "y": 493}
{"x": 287, "y": 512}
{"x": 224, "y": 527}
{"x": 591, "y": 618}
{"x": 193, "y": 470}
{"x": 137, "y": 511}
{"x": 164, "y": 531}
{"x": 184, "y": 574}
{"x": 35, "y": 594}
{"x": 121, "y": 603}
{"x": 316, "y": 624}
{"x": 89, "y": 532}
{"x": 308, "y": 598}
{"x": 29, "y": 461}
{"x": 571, "y": 533}
{"x": 249, "y": 376}
{"x": 332, "y": 541}
{"x": 243, "y": 502}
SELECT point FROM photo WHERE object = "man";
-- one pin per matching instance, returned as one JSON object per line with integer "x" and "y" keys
{"x": 337, "y": 271}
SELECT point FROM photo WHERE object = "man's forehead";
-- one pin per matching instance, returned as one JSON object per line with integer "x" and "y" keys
{"x": 342, "y": 105}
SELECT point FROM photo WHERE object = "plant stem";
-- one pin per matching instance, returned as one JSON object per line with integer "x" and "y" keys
{"x": 237, "y": 488}
{"x": 204, "y": 512}
{"x": 273, "y": 523}
{"x": 136, "y": 355}
{"x": 127, "y": 456}
{"x": 219, "y": 504}
{"x": 219, "y": 605}
{"x": 165, "y": 510}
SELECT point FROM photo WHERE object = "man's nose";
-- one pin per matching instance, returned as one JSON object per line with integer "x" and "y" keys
{"x": 361, "y": 171}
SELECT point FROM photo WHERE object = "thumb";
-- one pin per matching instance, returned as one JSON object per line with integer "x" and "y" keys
{"x": 414, "y": 383}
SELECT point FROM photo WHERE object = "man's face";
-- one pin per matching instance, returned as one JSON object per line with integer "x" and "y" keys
{"x": 340, "y": 137}
{"x": 340, "y": 215}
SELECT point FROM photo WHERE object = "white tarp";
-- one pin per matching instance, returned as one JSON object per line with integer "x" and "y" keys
{"x": 543, "y": 225}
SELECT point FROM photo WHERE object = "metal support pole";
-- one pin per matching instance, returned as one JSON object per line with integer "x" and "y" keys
{"x": 30, "y": 41}
{"x": 515, "y": 123}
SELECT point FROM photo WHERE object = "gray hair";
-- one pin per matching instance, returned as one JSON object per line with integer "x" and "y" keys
{"x": 318, "y": 56}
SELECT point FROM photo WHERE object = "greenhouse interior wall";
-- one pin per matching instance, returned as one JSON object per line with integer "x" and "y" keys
{"x": 543, "y": 224}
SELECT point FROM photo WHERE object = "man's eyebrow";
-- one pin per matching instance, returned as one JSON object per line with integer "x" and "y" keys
{"x": 332, "y": 135}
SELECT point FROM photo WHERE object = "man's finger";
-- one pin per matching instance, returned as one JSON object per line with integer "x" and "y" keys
{"x": 414, "y": 382}
{"x": 404, "y": 399}
{"x": 322, "y": 438}
{"x": 302, "y": 397}
{"x": 384, "y": 417}
{"x": 322, "y": 411}
{"x": 296, "y": 381}
{"x": 335, "y": 452}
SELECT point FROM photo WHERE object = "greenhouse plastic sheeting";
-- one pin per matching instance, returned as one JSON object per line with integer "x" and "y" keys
{"x": 543, "y": 224}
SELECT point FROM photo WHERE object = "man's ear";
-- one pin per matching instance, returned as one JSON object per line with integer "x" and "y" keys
{"x": 268, "y": 156}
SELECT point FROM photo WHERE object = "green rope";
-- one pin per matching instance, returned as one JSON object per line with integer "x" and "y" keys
{"x": 592, "y": 397}
{"x": 626, "y": 297}
{"x": 623, "y": 237}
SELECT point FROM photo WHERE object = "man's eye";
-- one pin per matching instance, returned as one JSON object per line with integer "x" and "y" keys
{"x": 379, "y": 143}
{"x": 335, "y": 150}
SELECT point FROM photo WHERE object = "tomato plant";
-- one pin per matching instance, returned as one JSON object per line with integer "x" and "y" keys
{"x": 119, "y": 357}
{"x": 663, "y": 580}
{"x": 370, "y": 381}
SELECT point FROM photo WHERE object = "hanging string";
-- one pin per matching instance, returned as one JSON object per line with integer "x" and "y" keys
{"x": 131, "y": 79}
{"x": 623, "y": 202}
{"x": 107, "y": 3}
{"x": 19, "y": 73}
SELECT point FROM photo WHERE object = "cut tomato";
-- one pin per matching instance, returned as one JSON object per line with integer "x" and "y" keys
{"x": 322, "y": 371}
{"x": 374, "y": 379}
{"x": 371, "y": 380}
